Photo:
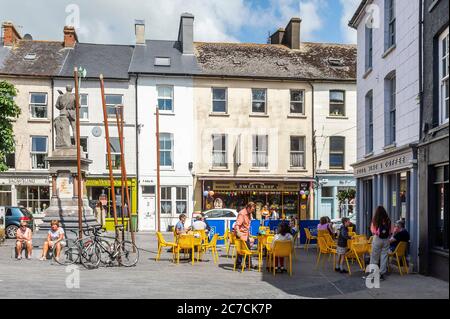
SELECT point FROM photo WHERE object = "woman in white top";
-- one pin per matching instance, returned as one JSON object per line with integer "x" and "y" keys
{"x": 54, "y": 237}
{"x": 284, "y": 233}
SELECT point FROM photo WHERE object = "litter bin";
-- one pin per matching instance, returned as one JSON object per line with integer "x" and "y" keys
{"x": 134, "y": 221}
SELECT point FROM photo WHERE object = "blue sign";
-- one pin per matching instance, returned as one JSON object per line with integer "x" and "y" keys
{"x": 311, "y": 225}
{"x": 254, "y": 226}
{"x": 217, "y": 227}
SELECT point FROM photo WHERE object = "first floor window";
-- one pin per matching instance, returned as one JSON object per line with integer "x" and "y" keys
{"x": 39, "y": 150}
{"x": 391, "y": 110}
{"x": 112, "y": 101}
{"x": 166, "y": 149}
{"x": 297, "y": 102}
{"x": 259, "y": 101}
{"x": 182, "y": 202}
{"x": 38, "y": 105}
{"x": 260, "y": 150}
{"x": 114, "y": 145}
{"x": 84, "y": 110}
{"x": 337, "y": 152}
{"x": 443, "y": 76}
{"x": 219, "y": 100}
{"x": 166, "y": 200}
{"x": 174, "y": 200}
{"x": 219, "y": 152}
{"x": 298, "y": 151}
{"x": 165, "y": 98}
{"x": 369, "y": 122}
{"x": 337, "y": 103}
{"x": 440, "y": 211}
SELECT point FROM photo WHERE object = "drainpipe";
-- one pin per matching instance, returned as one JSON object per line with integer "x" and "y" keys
{"x": 137, "y": 128}
{"x": 313, "y": 136}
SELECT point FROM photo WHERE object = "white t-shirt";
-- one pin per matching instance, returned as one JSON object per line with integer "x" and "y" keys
{"x": 287, "y": 236}
{"x": 54, "y": 235}
{"x": 199, "y": 225}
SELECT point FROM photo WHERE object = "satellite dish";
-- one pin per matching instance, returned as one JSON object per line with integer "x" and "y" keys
{"x": 28, "y": 37}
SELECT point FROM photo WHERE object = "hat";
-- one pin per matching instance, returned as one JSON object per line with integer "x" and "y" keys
{"x": 400, "y": 223}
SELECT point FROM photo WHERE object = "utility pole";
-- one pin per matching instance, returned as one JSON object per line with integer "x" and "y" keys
{"x": 78, "y": 143}
{"x": 158, "y": 182}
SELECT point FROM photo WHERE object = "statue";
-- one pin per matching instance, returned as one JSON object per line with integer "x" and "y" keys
{"x": 67, "y": 116}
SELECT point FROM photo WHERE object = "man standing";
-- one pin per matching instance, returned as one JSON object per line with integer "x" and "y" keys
{"x": 242, "y": 226}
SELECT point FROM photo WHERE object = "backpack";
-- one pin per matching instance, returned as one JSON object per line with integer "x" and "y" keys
{"x": 384, "y": 230}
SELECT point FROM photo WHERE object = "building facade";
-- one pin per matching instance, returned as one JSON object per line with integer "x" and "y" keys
{"x": 388, "y": 113}
{"x": 433, "y": 148}
{"x": 335, "y": 141}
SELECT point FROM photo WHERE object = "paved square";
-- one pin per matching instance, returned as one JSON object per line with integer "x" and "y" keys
{"x": 164, "y": 279}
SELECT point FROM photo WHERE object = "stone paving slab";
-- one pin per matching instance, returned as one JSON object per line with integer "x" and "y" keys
{"x": 204, "y": 280}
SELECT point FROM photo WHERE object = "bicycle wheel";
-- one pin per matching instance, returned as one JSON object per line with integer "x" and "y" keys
{"x": 128, "y": 254}
{"x": 106, "y": 248}
{"x": 90, "y": 255}
{"x": 69, "y": 254}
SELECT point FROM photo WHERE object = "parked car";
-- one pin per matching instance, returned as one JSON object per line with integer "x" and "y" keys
{"x": 13, "y": 217}
{"x": 337, "y": 222}
{"x": 220, "y": 213}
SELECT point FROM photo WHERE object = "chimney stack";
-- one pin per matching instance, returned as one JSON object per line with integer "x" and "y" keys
{"x": 186, "y": 33}
{"x": 70, "y": 37}
{"x": 139, "y": 30}
{"x": 10, "y": 34}
{"x": 277, "y": 36}
{"x": 292, "y": 35}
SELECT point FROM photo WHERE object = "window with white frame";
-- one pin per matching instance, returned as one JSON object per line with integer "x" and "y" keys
{"x": 114, "y": 144}
{"x": 297, "y": 151}
{"x": 443, "y": 76}
{"x": 219, "y": 100}
{"x": 390, "y": 109}
{"x": 389, "y": 23}
{"x": 84, "y": 111}
{"x": 297, "y": 102}
{"x": 38, "y": 152}
{"x": 181, "y": 200}
{"x": 219, "y": 151}
{"x": 259, "y": 101}
{"x": 337, "y": 152}
{"x": 260, "y": 151}
{"x": 337, "y": 103}
{"x": 369, "y": 122}
{"x": 38, "y": 105}
{"x": 112, "y": 101}
{"x": 166, "y": 200}
{"x": 166, "y": 150}
{"x": 165, "y": 98}
{"x": 369, "y": 47}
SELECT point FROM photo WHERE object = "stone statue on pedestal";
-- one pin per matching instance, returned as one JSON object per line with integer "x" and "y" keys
{"x": 67, "y": 118}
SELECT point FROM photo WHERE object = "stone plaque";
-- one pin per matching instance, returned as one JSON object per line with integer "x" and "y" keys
{"x": 64, "y": 185}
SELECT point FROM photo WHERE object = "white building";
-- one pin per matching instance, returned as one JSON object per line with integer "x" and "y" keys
{"x": 164, "y": 78}
{"x": 388, "y": 111}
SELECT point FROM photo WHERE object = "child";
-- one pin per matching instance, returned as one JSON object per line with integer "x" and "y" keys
{"x": 284, "y": 233}
{"x": 342, "y": 245}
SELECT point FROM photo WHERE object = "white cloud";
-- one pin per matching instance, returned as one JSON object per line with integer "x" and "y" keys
{"x": 348, "y": 9}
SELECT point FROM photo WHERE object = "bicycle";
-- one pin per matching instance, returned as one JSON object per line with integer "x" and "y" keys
{"x": 102, "y": 251}
{"x": 71, "y": 250}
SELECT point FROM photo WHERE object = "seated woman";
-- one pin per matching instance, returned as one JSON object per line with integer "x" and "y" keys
{"x": 54, "y": 237}
{"x": 23, "y": 239}
{"x": 325, "y": 225}
{"x": 284, "y": 233}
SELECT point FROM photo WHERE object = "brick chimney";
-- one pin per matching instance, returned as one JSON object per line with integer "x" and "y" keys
{"x": 186, "y": 33}
{"x": 10, "y": 34}
{"x": 292, "y": 35}
{"x": 70, "y": 37}
{"x": 277, "y": 36}
{"x": 139, "y": 30}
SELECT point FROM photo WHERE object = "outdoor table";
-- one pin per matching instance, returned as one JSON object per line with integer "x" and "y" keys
{"x": 197, "y": 242}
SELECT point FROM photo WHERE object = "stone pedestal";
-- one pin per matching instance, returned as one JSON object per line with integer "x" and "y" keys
{"x": 64, "y": 199}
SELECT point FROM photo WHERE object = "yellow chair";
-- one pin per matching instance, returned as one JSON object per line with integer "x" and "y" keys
{"x": 268, "y": 245}
{"x": 324, "y": 249}
{"x": 243, "y": 250}
{"x": 212, "y": 245}
{"x": 281, "y": 249}
{"x": 330, "y": 241}
{"x": 202, "y": 234}
{"x": 322, "y": 232}
{"x": 185, "y": 242}
{"x": 163, "y": 243}
{"x": 224, "y": 237}
{"x": 309, "y": 237}
{"x": 231, "y": 243}
{"x": 357, "y": 251}
{"x": 294, "y": 240}
{"x": 400, "y": 253}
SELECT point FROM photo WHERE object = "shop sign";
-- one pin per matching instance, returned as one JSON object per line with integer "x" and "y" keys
{"x": 256, "y": 186}
{"x": 391, "y": 163}
{"x": 105, "y": 182}
{"x": 27, "y": 181}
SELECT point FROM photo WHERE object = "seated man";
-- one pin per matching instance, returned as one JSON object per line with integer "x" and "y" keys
{"x": 199, "y": 224}
{"x": 179, "y": 227}
{"x": 23, "y": 238}
{"x": 400, "y": 234}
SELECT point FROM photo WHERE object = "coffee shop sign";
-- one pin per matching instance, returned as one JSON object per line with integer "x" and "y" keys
{"x": 392, "y": 163}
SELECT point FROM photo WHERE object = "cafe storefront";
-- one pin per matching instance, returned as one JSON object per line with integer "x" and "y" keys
{"x": 288, "y": 198}
{"x": 30, "y": 191}
{"x": 390, "y": 180}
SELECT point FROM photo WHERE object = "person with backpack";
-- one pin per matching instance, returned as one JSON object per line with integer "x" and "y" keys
{"x": 381, "y": 231}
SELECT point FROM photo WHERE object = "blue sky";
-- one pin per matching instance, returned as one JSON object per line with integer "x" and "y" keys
{"x": 112, "y": 21}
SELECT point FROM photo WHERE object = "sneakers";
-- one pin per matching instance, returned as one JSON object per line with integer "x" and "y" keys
{"x": 337, "y": 269}
{"x": 382, "y": 278}
{"x": 19, "y": 257}
{"x": 42, "y": 258}
{"x": 343, "y": 271}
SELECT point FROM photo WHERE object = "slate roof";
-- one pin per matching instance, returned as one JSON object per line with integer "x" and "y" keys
{"x": 3, "y": 53}
{"x": 110, "y": 60}
{"x": 144, "y": 59}
{"x": 311, "y": 61}
{"x": 49, "y": 57}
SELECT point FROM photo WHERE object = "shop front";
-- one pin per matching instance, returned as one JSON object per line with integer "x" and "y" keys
{"x": 99, "y": 190}
{"x": 288, "y": 198}
{"x": 390, "y": 180}
{"x": 26, "y": 190}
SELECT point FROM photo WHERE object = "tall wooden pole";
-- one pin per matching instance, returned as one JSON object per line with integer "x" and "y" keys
{"x": 78, "y": 143}
{"x": 122, "y": 183}
{"x": 158, "y": 182}
{"x": 108, "y": 151}
{"x": 124, "y": 170}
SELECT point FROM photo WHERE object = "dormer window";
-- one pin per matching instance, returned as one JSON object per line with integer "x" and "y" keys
{"x": 335, "y": 62}
{"x": 162, "y": 61}
{"x": 30, "y": 56}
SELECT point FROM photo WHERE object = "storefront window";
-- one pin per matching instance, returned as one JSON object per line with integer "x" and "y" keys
{"x": 166, "y": 200}
{"x": 290, "y": 205}
{"x": 35, "y": 198}
{"x": 441, "y": 239}
{"x": 403, "y": 195}
{"x": 181, "y": 200}
{"x": 5, "y": 195}
{"x": 327, "y": 191}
